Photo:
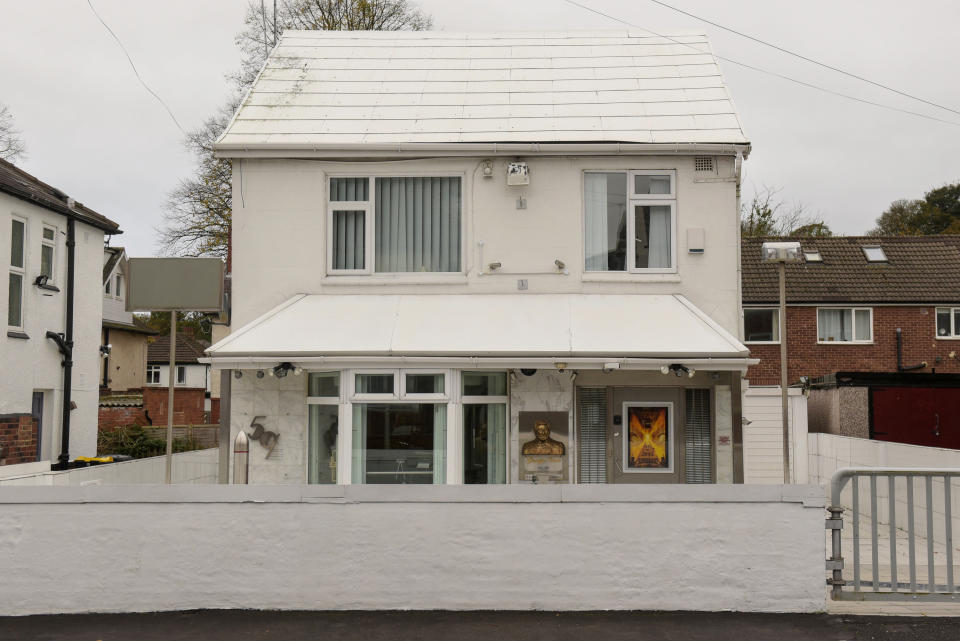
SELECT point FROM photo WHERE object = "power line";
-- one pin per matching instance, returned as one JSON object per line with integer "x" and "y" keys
{"x": 803, "y": 57}
{"x": 134, "y": 67}
{"x": 767, "y": 71}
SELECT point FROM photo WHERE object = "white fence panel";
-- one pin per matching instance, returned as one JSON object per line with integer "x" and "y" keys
{"x": 198, "y": 466}
{"x": 763, "y": 436}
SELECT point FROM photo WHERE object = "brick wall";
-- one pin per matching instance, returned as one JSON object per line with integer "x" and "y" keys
{"x": 110, "y": 417}
{"x": 805, "y": 357}
{"x": 214, "y": 410}
{"x": 187, "y": 405}
{"x": 18, "y": 438}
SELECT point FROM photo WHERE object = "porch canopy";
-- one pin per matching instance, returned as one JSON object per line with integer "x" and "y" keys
{"x": 575, "y": 330}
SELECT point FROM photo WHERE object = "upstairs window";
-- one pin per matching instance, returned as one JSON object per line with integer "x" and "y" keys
{"x": 844, "y": 325}
{"x": 48, "y": 250}
{"x": 394, "y": 225}
{"x": 761, "y": 325}
{"x": 948, "y": 322}
{"x": 630, "y": 221}
{"x": 181, "y": 375}
{"x": 153, "y": 374}
{"x": 874, "y": 254}
{"x": 119, "y": 290}
{"x": 18, "y": 237}
{"x": 812, "y": 255}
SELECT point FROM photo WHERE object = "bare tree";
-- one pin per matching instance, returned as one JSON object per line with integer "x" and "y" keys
{"x": 12, "y": 147}
{"x": 198, "y": 210}
{"x": 767, "y": 215}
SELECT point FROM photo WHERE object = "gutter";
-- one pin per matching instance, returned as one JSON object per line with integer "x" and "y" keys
{"x": 393, "y": 150}
{"x": 65, "y": 344}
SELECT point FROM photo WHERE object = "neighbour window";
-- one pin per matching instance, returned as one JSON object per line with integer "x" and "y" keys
{"x": 181, "y": 375}
{"x": 948, "y": 322}
{"x": 402, "y": 436}
{"x": 323, "y": 400}
{"x": 106, "y": 288}
{"x": 874, "y": 254}
{"x": 394, "y": 224}
{"x": 636, "y": 205}
{"x": 48, "y": 251}
{"x": 484, "y": 427}
{"x": 119, "y": 290}
{"x": 15, "y": 292}
{"x": 761, "y": 325}
{"x": 153, "y": 374}
{"x": 812, "y": 255}
{"x": 844, "y": 325}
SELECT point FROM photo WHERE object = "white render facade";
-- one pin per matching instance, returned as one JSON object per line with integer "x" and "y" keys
{"x": 33, "y": 243}
{"x": 424, "y": 315}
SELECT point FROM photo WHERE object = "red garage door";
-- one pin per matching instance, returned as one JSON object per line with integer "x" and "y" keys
{"x": 927, "y": 416}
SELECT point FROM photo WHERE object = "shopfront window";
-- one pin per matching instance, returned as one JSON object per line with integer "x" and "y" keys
{"x": 323, "y": 399}
{"x": 484, "y": 427}
{"x": 399, "y": 443}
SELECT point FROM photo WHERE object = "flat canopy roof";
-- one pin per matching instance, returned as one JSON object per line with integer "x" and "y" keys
{"x": 457, "y": 325}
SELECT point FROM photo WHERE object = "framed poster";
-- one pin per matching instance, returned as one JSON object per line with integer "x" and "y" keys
{"x": 648, "y": 437}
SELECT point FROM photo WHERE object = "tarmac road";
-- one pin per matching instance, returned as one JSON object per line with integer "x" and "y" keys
{"x": 252, "y": 625}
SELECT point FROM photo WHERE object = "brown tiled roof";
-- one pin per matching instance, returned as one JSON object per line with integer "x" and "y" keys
{"x": 188, "y": 349}
{"x": 19, "y": 183}
{"x": 919, "y": 269}
{"x": 138, "y": 327}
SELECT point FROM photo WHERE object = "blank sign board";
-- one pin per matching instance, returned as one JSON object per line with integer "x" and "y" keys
{"x": 163, "y": 284}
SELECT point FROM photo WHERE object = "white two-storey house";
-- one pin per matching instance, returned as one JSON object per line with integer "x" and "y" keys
{"x": 486, "y": 258}
{"x": 53, "y": 248}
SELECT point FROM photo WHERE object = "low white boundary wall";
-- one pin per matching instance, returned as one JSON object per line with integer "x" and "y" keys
{"x": 150, "y": 548}
{"x": 829, "y": 453}
{"x": 198, "y": 466}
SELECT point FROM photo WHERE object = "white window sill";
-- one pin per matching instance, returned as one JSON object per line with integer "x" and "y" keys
{"x": 416, "y": 278}
{"x": 947, "y": 338}
{"x": 844, "y": 342}
{"x": 628, "y": 277}
{"x": 761, "y": 342}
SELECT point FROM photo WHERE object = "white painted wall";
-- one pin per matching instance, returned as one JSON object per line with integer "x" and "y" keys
{"x": 763, "y": 436}
{"x": 282, "y": 204}
{"x": 199, "y": 466}
{"x": 34, "y": 363}
{"x": 430, "y": 547}
{"x": 830, "y": 452}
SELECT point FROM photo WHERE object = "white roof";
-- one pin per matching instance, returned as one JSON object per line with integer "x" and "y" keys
{"x": 550, "y": 325}
{"x": 346, "y": 88}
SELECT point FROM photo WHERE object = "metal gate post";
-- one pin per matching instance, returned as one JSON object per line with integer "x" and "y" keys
{"x": 835, "y": 562}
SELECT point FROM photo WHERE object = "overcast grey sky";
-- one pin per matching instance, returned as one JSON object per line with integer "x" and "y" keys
{"x": 95, "y": 133}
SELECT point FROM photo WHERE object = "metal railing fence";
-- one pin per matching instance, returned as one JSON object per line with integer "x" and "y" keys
{"x": 934, "y": 492}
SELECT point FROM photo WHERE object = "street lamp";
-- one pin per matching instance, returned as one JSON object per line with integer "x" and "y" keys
{"x": 782, "y": 253}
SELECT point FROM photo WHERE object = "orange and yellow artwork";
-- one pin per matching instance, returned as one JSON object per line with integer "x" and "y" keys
{"x": 648, "y": 447}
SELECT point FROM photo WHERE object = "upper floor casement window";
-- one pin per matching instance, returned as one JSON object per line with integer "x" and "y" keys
{"x": 48, "y": 252}
{"x": 394, "y": 224}
{"x": 948, "y": 322}
{"x": 844, "y": 325}
{"x": 18, "y": 244}
{"x": 761, "y": 325}
{"x": 630, "y": 221}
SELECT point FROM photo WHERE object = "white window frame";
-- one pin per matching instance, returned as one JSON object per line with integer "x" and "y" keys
{"x": 954, "y": 328}
{"x": 21, "y": 271}
{"x": 325, "y": 400}
{"x": 52, "y": 244}
{"x": 634, "y": 200}
{"x": 369, "y": 206}
{"x": 117, "y": 283}
{"x": 853, "y": 326}
{"x": 179, "y": 369}
{"x": 775, "y": 310}
{"x": 461, "y": 418}
{"x": 153, "y": 369}
{"x": 399, "y": 386}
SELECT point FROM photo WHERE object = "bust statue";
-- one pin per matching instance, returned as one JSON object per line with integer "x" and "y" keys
{"x": 543, "y": 444}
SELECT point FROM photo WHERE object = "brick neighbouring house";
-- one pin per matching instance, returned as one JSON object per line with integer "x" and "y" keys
{"x": 843, "y": 313}
{"x": 192, "y": 403}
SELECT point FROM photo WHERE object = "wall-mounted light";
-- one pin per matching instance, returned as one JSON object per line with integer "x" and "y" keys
{"x": 281, "y": 370}
{"x": 105, "y": 350}
{"x": 487, "y": 168}
{"x": 518, "y": 173}
{"x": 678, "y": 370}
{"x": 42, "y": 280}
{"x": 259, "y": 373}
{"x": 560, "y": 264}
{"x": 560, "y": 366}
{"x": 494, "y": 266}
{"x": 237, "y": 373}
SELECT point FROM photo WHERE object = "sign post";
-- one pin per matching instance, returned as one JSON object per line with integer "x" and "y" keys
{"x": 174, "y": 284}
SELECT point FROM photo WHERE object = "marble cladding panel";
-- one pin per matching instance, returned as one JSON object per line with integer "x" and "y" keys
{"x": 280, "y": 406}
{"x": 724, "y": 429}
{"x": 545, "y": 391}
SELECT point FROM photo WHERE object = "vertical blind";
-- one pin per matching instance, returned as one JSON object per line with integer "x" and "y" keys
{"x": 417, "y": 224}
{"x": 698, "y": 450}
{"x": 348, "y": 239}
{"x": 593, "y": 434}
